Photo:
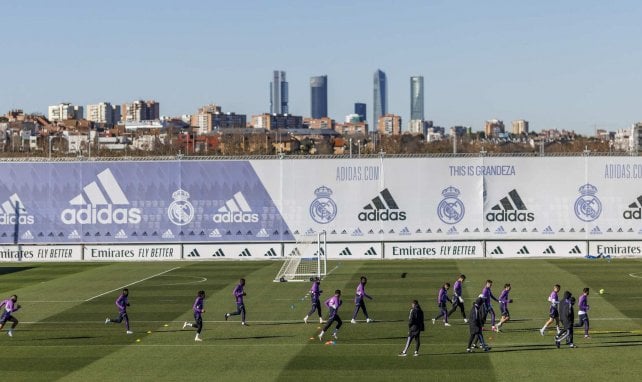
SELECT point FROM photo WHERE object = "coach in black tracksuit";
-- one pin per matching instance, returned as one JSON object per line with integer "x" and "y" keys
{"x": 476, "y": 323}
{"x": 415, "y": 327}
{"x": 567, "y": 316}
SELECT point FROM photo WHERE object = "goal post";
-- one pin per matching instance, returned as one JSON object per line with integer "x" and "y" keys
{"x": 305, "y": 260}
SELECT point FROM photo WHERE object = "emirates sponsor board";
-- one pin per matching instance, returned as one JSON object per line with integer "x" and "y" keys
{"x": 533, "y": 249}
{"x": 615, "y": 248}
{"x": 266, "y": 251}
{"x": 149, "y": 252}
{"x": 40, "y": 253}
{"x": 434, "y": 250}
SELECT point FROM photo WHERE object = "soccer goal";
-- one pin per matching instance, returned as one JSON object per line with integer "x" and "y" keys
{"x": 307, "y": 259}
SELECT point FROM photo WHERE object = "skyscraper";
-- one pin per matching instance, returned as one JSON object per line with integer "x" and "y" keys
{"x": 319, "y": 97}
{"x": 279, "y": 93}
{"x": 380, "y": 94}
{"x": 417, "y": 98}
{"x": 360, "y": 109}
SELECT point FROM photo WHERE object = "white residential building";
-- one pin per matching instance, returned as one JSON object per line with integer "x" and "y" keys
{"x": 103, "y": 112}
{"x": 64, "y": 111}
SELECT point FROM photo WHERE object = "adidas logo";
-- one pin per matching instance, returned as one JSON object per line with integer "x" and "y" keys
{"x": 310, "y": 232}
{"x": 121, "y": 235}
{"x": 405, "y": 231}
{"x": 549, "y": 250}
{"x": 575, "y": 250}
{"x": 168, "y": 234}
{"x": 510, "y": 209}
{"x": 500, "y": 230}
{"x": 236, "y": 210}
{"x": 523, "y": 251}
{"x": 13, "y": 212}
{"x": 497, "y": 251}
{"x": 548, "y": 231}
{"x": 596, "y": 231}
{"x": 218, "y": 253}
{"x": 371, "y": 252}
{"x": 27, "y": 236}
{"x": 382, "y": 208}
{"x": 194, "y": 253}
{"x": 635, "y": 211}
{"x": 345, "y": 252}
{"x": 215, "y": 233}
{"x": 87, "y": 209}
{"x": 74, "y": 235}
{"x": 270, "y": 253}
{"x": 263, "y": 233}
{"x": 452, "y": 231}
{"x": 357, "y": 232}
{"x": 245, "y": 253}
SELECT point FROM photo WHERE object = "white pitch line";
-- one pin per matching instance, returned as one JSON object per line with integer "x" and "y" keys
{"x": 130, "y": 284}
{"x": 636, "y": 275}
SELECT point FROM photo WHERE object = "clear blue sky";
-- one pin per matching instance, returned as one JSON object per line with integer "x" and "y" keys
{"x": 574, "y": 64}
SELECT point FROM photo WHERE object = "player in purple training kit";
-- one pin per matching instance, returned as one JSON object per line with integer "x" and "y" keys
{"x": 315, "y": 294}
{"x": 122, "y": 302}
{"x": 442, "y": 300}
{"x": 359, "y": 302}
{"x": 198, "y": 309}
{"x": 10, "y": 306}
{"x": 333, "y": 304}
{"x": 486, "y": 296}
{"x": 458, "y": 299}
{"x": 504, "y": 300}
{"x": 553, "y": 313}
{"x": 239, "y": 293}
{"x": 582, "y": 313}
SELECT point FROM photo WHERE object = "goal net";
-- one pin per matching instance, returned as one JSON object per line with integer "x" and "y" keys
{"x": 304, "y": 260}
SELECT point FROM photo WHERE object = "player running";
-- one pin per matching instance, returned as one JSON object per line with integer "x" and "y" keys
{"x": 333, "y": 304}
{"x": 442, "y": 299}
{"x": 415, "y": 327}
{"x": 122, "y": 302}
{"x": 359, "y": 302}
{"x": 487, "y": 308}
{"x": 458, "y": 299}
{"x": 553, "y": 313}
{"x": 315, "y": 294}
{"x": 239, "y": 293}
{"x": 198, "y": 309}
{"x": 582, "y": 313}
{"x": 10, "y": 306}
{"x": 504, "y": 300}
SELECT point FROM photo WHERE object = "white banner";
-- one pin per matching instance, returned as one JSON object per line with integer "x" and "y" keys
{"x": 357, "y": 251}
{"x": 434, "y": 250}
{"x": 148, "y": 252}
{"x": 530, "y": 249}
{"x": 40, "y": 253}
{"x": 265, "y": 251}
{"x": 616, "y": 248}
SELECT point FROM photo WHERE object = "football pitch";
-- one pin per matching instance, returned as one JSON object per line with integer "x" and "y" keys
{"x": 62, "y": 334}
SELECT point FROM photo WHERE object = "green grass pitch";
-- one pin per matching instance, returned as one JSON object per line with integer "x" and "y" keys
{"x": 62, "y": 335}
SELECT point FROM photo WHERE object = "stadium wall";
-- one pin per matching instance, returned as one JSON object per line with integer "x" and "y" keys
{"x": 290, "y": 200}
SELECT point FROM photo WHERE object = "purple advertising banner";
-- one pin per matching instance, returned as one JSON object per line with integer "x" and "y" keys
{"x": 136, "y": 202}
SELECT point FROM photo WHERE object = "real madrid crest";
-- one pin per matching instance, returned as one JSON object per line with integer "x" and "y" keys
{"x": 588, "y": 207}
{"x": 323, "y": 209}
{"x": 450, "y": 210}
{"x": 180, "y": 211}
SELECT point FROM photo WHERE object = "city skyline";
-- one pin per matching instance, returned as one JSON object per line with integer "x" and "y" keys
{"x": 558, "y": 65}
